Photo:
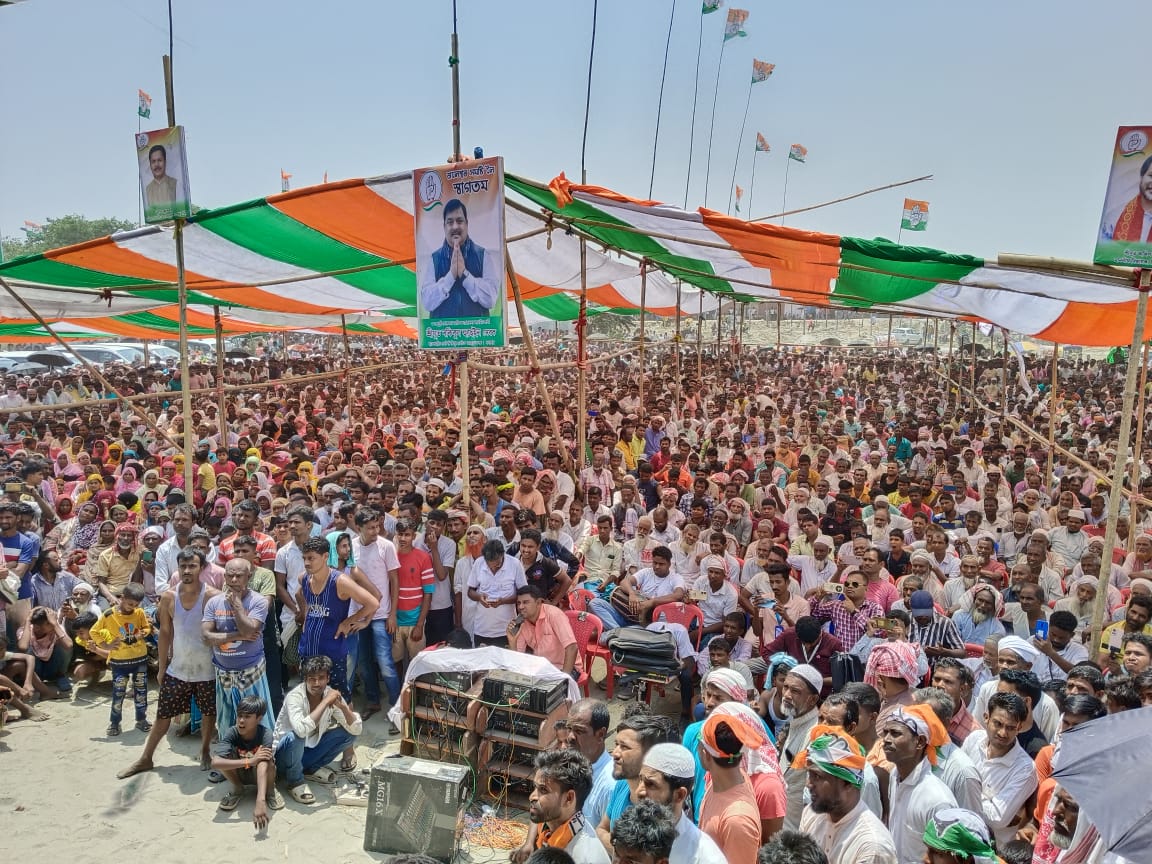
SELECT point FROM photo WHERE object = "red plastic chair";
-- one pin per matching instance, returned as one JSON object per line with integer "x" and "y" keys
{"x": 682, "y": 613}
{"x": 587, "y": 628}
{"x": 974, "y": 652}
{"x": 578, "y": 599}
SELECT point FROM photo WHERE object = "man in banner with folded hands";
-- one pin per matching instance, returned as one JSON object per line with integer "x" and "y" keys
{"x": 463, "y": 283}
{"x": 837, "y": 817}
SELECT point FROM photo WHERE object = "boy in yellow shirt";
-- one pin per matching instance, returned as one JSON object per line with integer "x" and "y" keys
{"x": 121, "y": 631}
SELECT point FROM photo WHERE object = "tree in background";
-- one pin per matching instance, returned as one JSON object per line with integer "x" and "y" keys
{"x": 63, "y": 231}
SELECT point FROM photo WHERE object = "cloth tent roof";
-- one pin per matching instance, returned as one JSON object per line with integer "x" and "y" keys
{"x": 1091, "y": 306}
{"x": 338, "y": 248}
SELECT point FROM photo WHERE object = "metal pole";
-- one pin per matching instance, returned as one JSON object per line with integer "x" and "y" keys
{"x": 347, "y": 365}
{"x": 679, "y": 284}
{"x": 951, "y": 337}
{"x": 182, "y": 306}
{"x": 222, "y": 400}
{"x": 454, "y": 62}
{"x": 700, "y": 338}
{"x": 1100, "y": 610}
{"x": 1055, "y": 378}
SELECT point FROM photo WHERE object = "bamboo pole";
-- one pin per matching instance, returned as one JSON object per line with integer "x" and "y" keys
{"x": 182, "y": 305}
{"x": 700, "y": 338}
{"x": 1004, "y": 382}
{"x": 530, "y": 346}
{"x": 1100, "y": 610}
{"x": 740, "y": 330}
{"x": 347, "y": 364}
{"x": 975, "y": 336}
{"x": 677, "y": 413}
{"x": 93, "y": 371}
{"x": 465, "y": 456}
{"x": 889, "y": 331}
{"x": 222, "y": 400}
{"x": 643, "y": 300}
{"x": 147, "y": 358}
{"x": 1138, "y": 442}
{"x": 779, "y": 316}
{"x": 951, "y": 338}
{"x": 1055, "y": 380}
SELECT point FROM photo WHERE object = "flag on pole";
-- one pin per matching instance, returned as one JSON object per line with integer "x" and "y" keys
{"x": 711, "y": 6}
{"x": 734, "y": 26}
{"x": 798, "y": 152}
{"x": 145, "y": 109}
{"x": 325, "y": 176}
{"x": 762, "y": 144}
{"x": 739, "y": 195}
{"x": 915, "y": 215}
{"x": 284, "y": 178}
{"x": 32, "y": 226}
{"x": 761, "y": 71}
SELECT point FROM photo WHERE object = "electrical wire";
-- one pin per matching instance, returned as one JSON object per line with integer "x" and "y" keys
{"x": 588, "y": 95}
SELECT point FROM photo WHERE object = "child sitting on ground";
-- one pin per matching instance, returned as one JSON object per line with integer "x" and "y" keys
{"x": 245, "y": 757}
{"x": 15, "y": 666}
{"x": 121, "y": 631}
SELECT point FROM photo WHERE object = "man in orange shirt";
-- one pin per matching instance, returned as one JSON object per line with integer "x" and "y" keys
{"x": 729, "y": 814}
{"x": 543, "y": 630}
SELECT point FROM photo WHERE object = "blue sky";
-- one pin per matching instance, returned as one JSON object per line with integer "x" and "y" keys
{"x": 1013, "y": 106}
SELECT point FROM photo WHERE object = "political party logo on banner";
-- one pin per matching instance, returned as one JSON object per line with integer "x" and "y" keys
{"x": 459, "y": 217}
{"x": 163, "y": 175}
{"x": 1125, "y": 235}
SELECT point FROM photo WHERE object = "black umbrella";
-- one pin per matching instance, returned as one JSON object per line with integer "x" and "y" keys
{"x": 237, "y": 354}
{"x": 50, "y": 358}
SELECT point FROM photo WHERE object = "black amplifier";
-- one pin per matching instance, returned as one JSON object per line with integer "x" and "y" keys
{"x": 449, "y": 680}
{"x": 502, "y": 688}
{"x": 452, "y": 703}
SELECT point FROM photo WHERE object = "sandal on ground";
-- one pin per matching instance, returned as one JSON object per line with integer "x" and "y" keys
{"x": 301, "y": 794}
{"x": 113, "y": 730}
{"x": 324, "y": 776}
{"x": 274, "y": 799}
{"x": 143, "y": 725}
{"x": 230, "y": 801}
{"x": 348, "y": 764}
{"x": 215, "y": 776}
{"x": 371, "y": 711}
{"x": 393, "y": 729}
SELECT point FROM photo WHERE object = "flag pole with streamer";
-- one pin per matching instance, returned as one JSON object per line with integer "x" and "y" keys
{"x": 739, "y": 139}
{"x": 660, "y": 98}
{"x": 733, "y": 27}
{"x": 761, "y": 146}
{"x": 707, "y": 7}
{"x": 784, "y": 202}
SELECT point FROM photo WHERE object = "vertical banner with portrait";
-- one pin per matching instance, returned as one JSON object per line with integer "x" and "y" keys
{"x": 459, "y": 212}
{"x": 163, "y": 175}
{"x": 1125, "y": 236}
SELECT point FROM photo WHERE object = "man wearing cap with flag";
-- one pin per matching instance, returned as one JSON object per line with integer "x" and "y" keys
{"x": 667, "y": 776}
{"x": 910, "y": 736}
{"x": 729, "y": 814}
{"x": 958, "y": 836}
{"x": 836, "y": 817}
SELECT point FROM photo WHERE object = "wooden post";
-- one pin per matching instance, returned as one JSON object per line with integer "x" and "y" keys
{"x": 147, "y": 359}
{"x": 1055, "y": 381}
{"x": 779, "y": 316}
{"x": 951, "y": 337}
{"x": 530, "y": 345}
{"x": 975, "y": 336}
{"x": 700, "y": 338}
{"x": 889, "y": 331}
{"x": 182, "y": 306}
{"x": 1004, "y": 382}
{"x": 582, "y": 357}
{"x": 1100, "y": 610}
{"x": 221, "y": 398}
{"x": 740, "y": 330}
{"x": 676, "y": 412}
{"x": 465, "y": 458}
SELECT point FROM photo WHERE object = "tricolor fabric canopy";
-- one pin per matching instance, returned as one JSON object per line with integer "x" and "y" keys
{"x": 301, "y": 259}
{"x": 342, "y": 248}
{"x": 1088, "y": 306}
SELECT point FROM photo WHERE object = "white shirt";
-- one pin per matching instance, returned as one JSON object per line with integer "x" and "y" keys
{"x": 913, "y": 801}
{"x": 167, "y": 571}
{"x": 813, "y": 574}
{"x": 377, "y": 561}
{"x": 295, "y": 717}
{"x": 1007, "y": 781}
{"x": 290, "y": 562}
{"x": 651, "y": 585}
{"x": 1046, "y": 714}
{"x": 955, "y": 768}
{"x": 717, "y": 604}
{"x": 860, "y": 837}
{"x": 442, "y": 595}
{"x": 692, "y": 846}
{"x": 586, "y": 846}
{"x": 492, "y": 623}
{"x": 1046, "y": 670}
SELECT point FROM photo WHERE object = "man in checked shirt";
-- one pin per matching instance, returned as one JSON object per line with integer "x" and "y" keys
{"x": 849, "y": 612}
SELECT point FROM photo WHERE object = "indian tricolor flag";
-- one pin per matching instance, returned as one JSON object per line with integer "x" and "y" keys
{"x": 762, "y": 144}
{"x": 798, "y": 152}
{"x": 285, "y": 177}
{"x": 739, "y": 195}
{"x": 915, "y": 216}
{"x": 145, "y": 107}
{"x": 711, "y": 6}
{"x": 734, "y": 26}
{"x": 761, "y": 71}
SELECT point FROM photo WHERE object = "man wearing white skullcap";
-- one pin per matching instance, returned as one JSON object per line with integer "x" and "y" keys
{"x": 1068, "y": 540}
{"x": 667, "y": 777}
{"x": 1016, "y": 653}
{"x": 720, "y": 599}
{"x": 801, "y": 699}
{"x": 815, "y": 569}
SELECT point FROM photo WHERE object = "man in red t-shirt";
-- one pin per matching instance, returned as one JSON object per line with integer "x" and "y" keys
{"x": 415, "y": 586}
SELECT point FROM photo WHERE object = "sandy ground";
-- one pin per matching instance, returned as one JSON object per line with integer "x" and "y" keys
{"x": 59, "y": 787}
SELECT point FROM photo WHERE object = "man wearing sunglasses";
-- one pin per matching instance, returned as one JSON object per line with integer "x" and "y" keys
{"x": 849, "y": 612}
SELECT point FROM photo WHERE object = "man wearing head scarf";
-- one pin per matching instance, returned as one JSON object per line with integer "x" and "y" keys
{"x": 979, "y": 618}
{"x": 729, "y": 814}
{"x": 115, "y": 566}
{"x": 719, "y": 686}
{"x": 667, "y": 776}
{"x": 893, "y": 670}
{"x": 837, "y": 818}
{"x": 1015, "y": 653}
{"x": 763, "y": 769}
{"x": 800, "y": 702}
{"x": 910, "y": 736}
{"x": 958, "y": 836}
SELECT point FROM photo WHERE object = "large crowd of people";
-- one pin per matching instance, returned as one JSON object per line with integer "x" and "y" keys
{"x": 880, "y": 588}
